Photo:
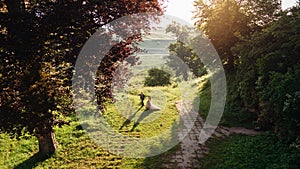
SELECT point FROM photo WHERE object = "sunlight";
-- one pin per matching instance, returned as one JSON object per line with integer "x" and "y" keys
{"x": 184, "y": 9}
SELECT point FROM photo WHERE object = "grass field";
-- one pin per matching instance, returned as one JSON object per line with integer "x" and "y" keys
{"x": 78, "y": 150}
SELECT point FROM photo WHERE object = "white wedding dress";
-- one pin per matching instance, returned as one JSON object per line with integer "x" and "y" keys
{"x": 151, "y": 106}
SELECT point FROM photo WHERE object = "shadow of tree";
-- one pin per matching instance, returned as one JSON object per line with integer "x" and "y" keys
{"x": 127, "y": 122}
{"x": 158, "y": 161}
{"x": 32, "y": 161}
{"x": 141, "y": 117}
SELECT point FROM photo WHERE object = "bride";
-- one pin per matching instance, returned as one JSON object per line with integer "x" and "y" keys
{"x": 150, "y": 106}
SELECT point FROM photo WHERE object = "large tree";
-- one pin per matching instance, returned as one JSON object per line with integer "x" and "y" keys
{"x": 39, "y": 43}
{"x": 227, "y": 22}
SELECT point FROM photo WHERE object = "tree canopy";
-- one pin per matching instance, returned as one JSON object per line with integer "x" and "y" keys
{"x": 157, "y": 77}
{"x": 227, "y": 22}
{"x": 271, "y": 85}
{"x": 39, "y": 44}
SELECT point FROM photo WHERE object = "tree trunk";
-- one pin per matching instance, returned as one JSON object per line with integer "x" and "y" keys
{"x": 47, "y": 143}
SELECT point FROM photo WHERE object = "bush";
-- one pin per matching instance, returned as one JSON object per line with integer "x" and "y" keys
{"x": 157, "y": 77}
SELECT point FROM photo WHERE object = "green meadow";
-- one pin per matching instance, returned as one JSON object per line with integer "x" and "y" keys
{"x": 77, "y": 149}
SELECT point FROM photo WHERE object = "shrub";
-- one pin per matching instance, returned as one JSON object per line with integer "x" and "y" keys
{"x": 157, "y": 77}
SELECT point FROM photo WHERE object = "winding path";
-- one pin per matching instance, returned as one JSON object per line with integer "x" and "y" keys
{"x": 190, "y": 151}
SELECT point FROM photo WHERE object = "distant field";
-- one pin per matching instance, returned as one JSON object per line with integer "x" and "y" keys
{"x": 160, "y": 34}
{"x": 156, "y": 52}
{"x": 149, "y": 61}
{"x": 156, "y": 46}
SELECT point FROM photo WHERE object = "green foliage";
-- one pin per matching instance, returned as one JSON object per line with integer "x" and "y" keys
{"x": 239, "y": 48}
{"x": 264, "y": 51}
{"x": 268, "y": 75}
{"x": 234, "y": 113}
{"x": 182, "y": 57}
{"x": 239, "y": 18}
{"x": 157, "y": 77}
{"x": 282, "y": 93}
{"x": 263, "y": 151}
{"x": 205, "y": 98}
{"x": 238, "y": 111}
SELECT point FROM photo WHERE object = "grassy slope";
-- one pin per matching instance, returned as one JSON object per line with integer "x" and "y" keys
{"x": 77, "y": 150}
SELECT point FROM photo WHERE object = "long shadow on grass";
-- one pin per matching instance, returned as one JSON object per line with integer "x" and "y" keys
{"x": 142, "y": 117}
{"x": 158, "y": 160}
{"x": 130, "y": 118}
{"x": 32, "y": 161}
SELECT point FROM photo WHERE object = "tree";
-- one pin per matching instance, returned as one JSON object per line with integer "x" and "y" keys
{"x": 157, "y": 77}
{"x": 39, "y": 44}
{"x": 182, "y": 57}
{"x": 227, "y": 22}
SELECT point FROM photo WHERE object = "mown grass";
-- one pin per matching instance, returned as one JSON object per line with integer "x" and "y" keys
{"x": 164, "y": 97}
{"x": 12, "y": 151}
{"x": 259, "y": 152}
{"x": 78, "y": 150}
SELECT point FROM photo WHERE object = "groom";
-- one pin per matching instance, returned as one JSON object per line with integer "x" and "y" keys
{"x": 142, "y": 97}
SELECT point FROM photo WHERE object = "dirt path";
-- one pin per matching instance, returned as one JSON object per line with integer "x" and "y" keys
{"x": 190, "y": 151}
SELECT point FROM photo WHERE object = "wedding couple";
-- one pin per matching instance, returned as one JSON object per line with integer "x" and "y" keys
{"x": 149, "y": 105}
